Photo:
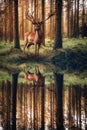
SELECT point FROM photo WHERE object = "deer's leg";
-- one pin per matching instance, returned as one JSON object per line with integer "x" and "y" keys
{"x": 28, "y": 47}
{"x": 35, "y": 49}
{"x": 25, "y": 46}
{"x": 25, "y": 43}
{"x": 38, "y": 49}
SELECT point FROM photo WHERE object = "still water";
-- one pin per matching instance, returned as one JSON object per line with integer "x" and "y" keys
{"x": 37, "y": 101}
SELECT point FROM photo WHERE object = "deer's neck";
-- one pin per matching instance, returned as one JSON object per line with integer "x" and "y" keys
{"x": 37, "y": 34}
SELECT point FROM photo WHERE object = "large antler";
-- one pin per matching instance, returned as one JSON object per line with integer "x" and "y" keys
{"x": 30, "y": 17}
{"x": 49, "y": 15}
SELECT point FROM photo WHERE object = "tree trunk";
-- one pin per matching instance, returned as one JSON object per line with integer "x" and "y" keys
{"x": 68, "y": 17}
{"x": 43, "y": 17}
{"x": 77, "y": 18}
{"x": 83, "y": 20}
{"x": 16, "y": 32}
{"x": 58, "y": 39}
{"x": 10, "y": 21}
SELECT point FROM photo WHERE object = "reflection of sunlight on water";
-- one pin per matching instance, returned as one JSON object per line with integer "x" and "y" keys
{"x": 1, "y": 128}
{"x": 66, "y": 129}
{"x": 1, "y": 125}
{"x": 76, "y": 116}
{"x": 47, "y": 113}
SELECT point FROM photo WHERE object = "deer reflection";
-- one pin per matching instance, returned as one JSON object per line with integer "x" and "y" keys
{"x": 36, "y": 77}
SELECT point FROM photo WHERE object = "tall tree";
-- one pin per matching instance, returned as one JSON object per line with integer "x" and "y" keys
{"x": 77, "y": 18}
{"x": 83, "y": 18}
{"x": 16, "y": 32}
{"x": 58, "y": 38}
{"x": 68, "y": 16}
{"x": 10, "y": 21}
{"x": 72, "y": 20}
{"x": 43, "y": 17}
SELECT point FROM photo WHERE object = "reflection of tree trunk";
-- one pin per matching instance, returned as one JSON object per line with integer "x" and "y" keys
{"x": 21, "y": 102}
{"x": 76, "y": 101}
{"x": 14, "y": 93}
{"x": 8, "y": 104}
{"x": 69, "y": 106}
{"x": 25, "y": 117}
{"x": 79, "y": 100}
{"x": 59, "y": 89}
{"x": 34, "y": 107}
{"x": 42, "y": 109}
{"x": 31, "y": 110}
{"x": 85, "y": 98}
{"x": 51, "y": 109}
{"x": 3, "y": 100}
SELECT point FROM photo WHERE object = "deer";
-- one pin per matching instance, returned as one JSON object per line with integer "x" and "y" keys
{"x": 34, "y": 37}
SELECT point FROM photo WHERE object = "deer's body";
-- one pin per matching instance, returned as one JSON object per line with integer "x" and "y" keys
{"x": 33, "y": 38}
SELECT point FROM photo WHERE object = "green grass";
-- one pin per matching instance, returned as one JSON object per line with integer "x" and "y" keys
{"x": 4, "y": 75}
{"x": 74, "y": 42}
{"x": 5, "y": 47}
{"x": 72, "y": 79}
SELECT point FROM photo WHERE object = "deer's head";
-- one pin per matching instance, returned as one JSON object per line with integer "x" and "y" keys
{"x": 37, "y": 26}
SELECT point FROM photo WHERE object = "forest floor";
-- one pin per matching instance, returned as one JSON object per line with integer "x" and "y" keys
{"x": 73, "y": 55}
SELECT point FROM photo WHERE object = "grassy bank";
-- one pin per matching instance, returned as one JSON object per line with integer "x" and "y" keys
{"x": 73, "y": 56}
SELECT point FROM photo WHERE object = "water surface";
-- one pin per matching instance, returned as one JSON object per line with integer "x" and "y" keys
{"x": 44, "y": 102}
